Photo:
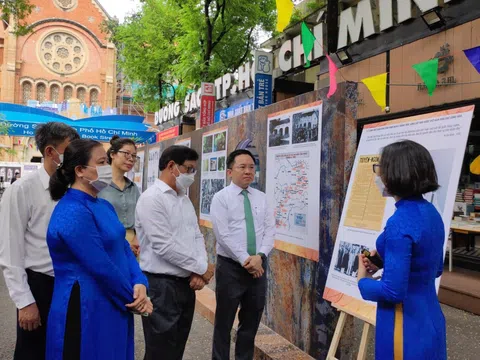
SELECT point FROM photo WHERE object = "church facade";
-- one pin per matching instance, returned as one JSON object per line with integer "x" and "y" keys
{"x": 65, "y": 56}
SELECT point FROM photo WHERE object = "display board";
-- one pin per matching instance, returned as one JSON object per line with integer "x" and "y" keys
{"x": 293, "y": 178}
{"x": 138, "y": 170}
{"x": 366, "y": 211}
{"x": 213, "y": 170}
{"x": 153, "y": 162}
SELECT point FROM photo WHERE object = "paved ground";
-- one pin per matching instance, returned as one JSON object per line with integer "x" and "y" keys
{"x": 463, "y": 333}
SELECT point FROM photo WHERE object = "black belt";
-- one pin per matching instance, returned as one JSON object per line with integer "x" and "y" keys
{"x": 167, "y": 276}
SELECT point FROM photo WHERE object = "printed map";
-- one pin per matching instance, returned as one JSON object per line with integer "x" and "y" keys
{"x": 291, "y": 191}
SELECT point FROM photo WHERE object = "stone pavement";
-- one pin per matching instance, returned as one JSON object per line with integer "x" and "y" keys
{"x": 463, "y": 333}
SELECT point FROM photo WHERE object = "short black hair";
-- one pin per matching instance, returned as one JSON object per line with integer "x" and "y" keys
{"x": 233, "y": 155}
{"x": 53, "y": 133}
{"x": 407, "y": 169}
{"x": 179, "y": 154}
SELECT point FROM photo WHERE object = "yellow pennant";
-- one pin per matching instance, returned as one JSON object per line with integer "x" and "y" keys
{"x": 284, "y": 13}
{"x": 475, "y": 166}
{"x": 378, "y": 88}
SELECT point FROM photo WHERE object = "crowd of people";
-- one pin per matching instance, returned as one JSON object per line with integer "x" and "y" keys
{"x": 82, "y": 252}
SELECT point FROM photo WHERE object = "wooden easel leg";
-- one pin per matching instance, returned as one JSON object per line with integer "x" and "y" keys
{"x": 362, "y": 351}
{"x": 336, "y": 336}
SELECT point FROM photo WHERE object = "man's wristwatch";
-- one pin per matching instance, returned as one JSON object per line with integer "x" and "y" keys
{"x": 263, "y": 256}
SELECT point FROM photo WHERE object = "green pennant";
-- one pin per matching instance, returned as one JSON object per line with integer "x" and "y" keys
{"x": 428, "y": 71}
{"x": 308, "y": 41}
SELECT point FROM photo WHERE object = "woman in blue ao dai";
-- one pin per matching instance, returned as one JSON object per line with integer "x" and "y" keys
{"x": 98, "y": 282}
{"x": 410, "y": 324}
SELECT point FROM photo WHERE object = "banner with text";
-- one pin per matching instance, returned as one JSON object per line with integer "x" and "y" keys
{"x": 263, "y": 86}
{"x": 207, "y": 104}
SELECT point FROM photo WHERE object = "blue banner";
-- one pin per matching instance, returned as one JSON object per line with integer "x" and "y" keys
{"x": 234, "y": 110}
{"x": 18, "y": 128}
{"x": 263, "y": 90}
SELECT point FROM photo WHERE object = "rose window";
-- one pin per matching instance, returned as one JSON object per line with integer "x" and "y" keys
{"x": 62, "y": 53}
{"x": 65, "y": 4}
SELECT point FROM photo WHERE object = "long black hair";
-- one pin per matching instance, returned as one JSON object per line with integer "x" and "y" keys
{"x": 117, "y": 143}
{"x": 77, "y": 153}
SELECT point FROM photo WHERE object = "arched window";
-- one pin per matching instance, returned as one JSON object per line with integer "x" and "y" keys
{"x": 55, "y": 93}
{"x": 67, "y": 92}
{"x": 93, "y": 97}
{"x": 26, "y": 92}
{"x": 81, "y": 95}
{"x": 41, "y": 92}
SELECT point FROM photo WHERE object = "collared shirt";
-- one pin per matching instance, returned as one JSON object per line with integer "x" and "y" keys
{"x": 123, "y": 200}
{"x": 168, "y": 233}
{"x": 25, "y": 212}
{"x": 228, "y": 218}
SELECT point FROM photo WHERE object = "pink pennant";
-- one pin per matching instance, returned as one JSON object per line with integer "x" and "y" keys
{"x": 332, "y": 70}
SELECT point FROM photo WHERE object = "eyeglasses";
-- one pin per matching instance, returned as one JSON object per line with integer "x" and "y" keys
{"x": 190, "y": 169}
{"x": 129, "y": 156}
{"x": 376, "y": 169}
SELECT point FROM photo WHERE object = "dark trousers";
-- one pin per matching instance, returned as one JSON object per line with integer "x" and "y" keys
{"x": 166, "y": 330}
{"x": 31, "y": 344}
{"x": 236, "y": 287}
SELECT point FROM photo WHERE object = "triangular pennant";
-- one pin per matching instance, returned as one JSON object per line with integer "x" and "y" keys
{"x": 473, "y": 55}
{"x": 284, "y": 13}
{"x": 308, "y": 42}
{"x": 378, "y": 88}
{"x": 332, "y": 71}
{"x": 428, "y": 71}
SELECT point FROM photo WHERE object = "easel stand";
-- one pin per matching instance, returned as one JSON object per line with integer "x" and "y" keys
{"x": 344, "y": 315}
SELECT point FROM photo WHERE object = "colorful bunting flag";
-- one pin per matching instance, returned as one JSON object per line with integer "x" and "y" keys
{"x": 308, "y": 41}
{"x": 332, "y": 71}
{"x": 473, "y": 55}
{"x": 428, "y": 72}
{"x": 284, "y": 13}
{"x": 377, "y": 85}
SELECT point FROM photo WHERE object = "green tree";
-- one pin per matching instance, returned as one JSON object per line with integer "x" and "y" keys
{"x": 20, "y": 9}
{"x": 185, "y": 42}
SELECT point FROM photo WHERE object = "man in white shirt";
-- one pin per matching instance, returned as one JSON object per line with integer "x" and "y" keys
{"x": 244, "y": 228}
{"x": 25, "y": 212}
{"x": 173, "y": 254}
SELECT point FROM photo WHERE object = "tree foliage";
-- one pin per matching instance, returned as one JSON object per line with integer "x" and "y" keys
{"x": 20, "y": 9}
{"x": 187, "y": 41}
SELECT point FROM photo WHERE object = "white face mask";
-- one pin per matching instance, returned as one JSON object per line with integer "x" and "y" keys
{"x": 104, "y": 178}
{"x": 381, "y": 186}
{"x": 183, "y": 181}
{"x": 60, "y": 157}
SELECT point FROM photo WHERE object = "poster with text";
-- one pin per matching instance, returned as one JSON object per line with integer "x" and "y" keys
{"x": 366, "y": 211}
{"x": 153, "y": 161}
{"x": 293, "y": 178}
{"x": 138, "y": 170}
{"x": 213, "y": 170}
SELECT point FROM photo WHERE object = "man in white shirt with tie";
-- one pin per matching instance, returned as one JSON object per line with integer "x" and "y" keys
{"x": 244, "y": 227}
{"x": 25, "y": 212}
{"x": 173, "y": 254}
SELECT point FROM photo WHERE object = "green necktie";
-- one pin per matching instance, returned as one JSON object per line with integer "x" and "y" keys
{"x": 251, "y": 239}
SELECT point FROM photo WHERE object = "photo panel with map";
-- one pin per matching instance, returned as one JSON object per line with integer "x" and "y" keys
{"x": 305, "y": 126}
{"x": 346, "y": 262}
{"x": 279, "y": 132}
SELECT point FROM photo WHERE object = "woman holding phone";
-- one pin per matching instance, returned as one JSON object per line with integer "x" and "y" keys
{"x": 410, "y": 324}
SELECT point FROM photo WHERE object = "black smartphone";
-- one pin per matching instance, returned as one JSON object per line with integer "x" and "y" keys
{"x": 375, "y": 259}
